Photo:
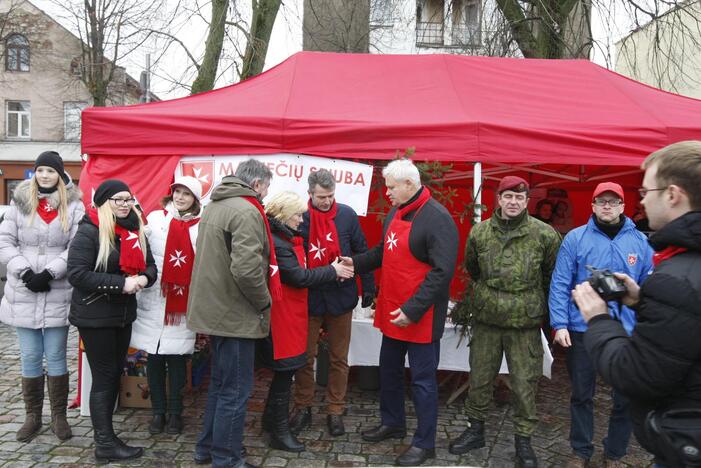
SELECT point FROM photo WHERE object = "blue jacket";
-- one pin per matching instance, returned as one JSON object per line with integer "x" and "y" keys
{"x": 629, "y": 253}
{"x": 337, "y": 298}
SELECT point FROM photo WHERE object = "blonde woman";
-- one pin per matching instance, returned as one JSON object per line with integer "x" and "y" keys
{"x": 34, "y": 238}
{"x": 284, "y": 350}
{"x": 108, "y": 263}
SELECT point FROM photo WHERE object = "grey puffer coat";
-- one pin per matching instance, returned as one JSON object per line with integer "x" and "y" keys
{"x": 28, "y": 242}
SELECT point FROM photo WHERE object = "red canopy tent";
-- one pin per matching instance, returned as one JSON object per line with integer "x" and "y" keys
{"x": 547, "y": 118}
{"x": 449, "y": 107}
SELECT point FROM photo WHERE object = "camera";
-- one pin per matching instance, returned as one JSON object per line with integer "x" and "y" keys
{"x": 605, "y": 284}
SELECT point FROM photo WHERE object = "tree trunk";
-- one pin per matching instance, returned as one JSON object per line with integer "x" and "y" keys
{"x": 207, "y": 72}
{"x": 554, "y": 29}
{"x": 93, "y": 57}
{"x": 264, "y": 14}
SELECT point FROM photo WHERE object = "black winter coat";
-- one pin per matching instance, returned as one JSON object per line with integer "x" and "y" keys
{"x": 295, "y": 275}
{"x": 338, "y": 298}
{"x": 433, "y": 240}
{"x": 659, "y": 366}
{"x": 97, "y": 299}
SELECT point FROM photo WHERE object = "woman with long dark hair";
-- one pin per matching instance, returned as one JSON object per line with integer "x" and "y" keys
{"x": 108, "y": 263}
{"x": 34, "y": 238}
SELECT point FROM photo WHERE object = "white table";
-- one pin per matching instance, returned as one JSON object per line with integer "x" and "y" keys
{"x": 366, "y": 341}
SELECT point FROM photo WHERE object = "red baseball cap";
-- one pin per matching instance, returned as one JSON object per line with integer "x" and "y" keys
{"x": 608, "y": 187}
{"x": 511, "y": 183}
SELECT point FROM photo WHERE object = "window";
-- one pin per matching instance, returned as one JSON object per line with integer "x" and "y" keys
{"x": 77, "y": 67}
{"x": 71, "y": 119}
{"x": 18, "y": 119}
{"x": 10, "y": 186}
{"x": 429, "y": 23}
{"x": 466, "y": 23}
{"x": 17, "y": 58}
{"x": 381, "y": 12}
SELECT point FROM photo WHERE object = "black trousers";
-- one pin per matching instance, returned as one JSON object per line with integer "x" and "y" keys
{"x": 174, "y": 367}
{"x": 106, "y": 350}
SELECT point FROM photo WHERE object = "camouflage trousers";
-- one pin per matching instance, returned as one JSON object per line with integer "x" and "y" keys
{"x": 524, "y": 356}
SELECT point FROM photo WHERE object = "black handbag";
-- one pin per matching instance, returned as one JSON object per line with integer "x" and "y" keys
{"x": 675, "y": 435}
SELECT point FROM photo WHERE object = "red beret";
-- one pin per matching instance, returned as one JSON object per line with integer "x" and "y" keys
{"x": 514, "y": 183}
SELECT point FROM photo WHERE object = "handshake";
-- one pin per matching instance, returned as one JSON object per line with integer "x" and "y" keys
{"x": 344, "y": 268}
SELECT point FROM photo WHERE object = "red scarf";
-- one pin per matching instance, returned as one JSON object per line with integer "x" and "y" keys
{"x": 274, "y": 285}
{"x": 178, "y": 259}
{"x": 323, "y": 237}
{"x": 45, "y": 211}
{"x": 664, "y": 254}
{"x": 423, "y": 197}
{"x": 297, "y": 240}
{"x": 131, "y": 257}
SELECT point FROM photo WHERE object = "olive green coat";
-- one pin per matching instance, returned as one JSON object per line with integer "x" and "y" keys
{"x": 510, "y": 263}
{"x": 229, "y": 289}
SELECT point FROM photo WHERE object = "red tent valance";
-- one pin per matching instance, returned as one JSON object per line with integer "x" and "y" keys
{"x": 449, "y": 107}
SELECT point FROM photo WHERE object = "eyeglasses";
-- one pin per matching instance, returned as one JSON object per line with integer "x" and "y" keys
{"x": 611, "y": 203}
{"x": 643, "y": 191}
{"x": 123, "y": 201}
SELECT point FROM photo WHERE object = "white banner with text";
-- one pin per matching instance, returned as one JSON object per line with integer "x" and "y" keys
{"x": 290, "y": 172}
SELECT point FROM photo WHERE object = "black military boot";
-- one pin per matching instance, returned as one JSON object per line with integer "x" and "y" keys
{"x": 525, "y": 456}
{"x": 471, "y": 438}
{"x": 281, "y": 437}
{"x": 108, "y": 447}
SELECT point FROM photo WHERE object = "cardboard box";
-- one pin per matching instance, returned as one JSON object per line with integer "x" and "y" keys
{"x": 134, "y": 392}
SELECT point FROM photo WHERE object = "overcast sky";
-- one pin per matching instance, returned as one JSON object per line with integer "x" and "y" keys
{"x": 285, "y": 41}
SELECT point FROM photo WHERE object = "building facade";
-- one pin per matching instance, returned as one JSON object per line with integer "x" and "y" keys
{"x": 472, "y": 27}
{"x": 41, "y": 92}
{"x": 430, "y": 26}
{"x": 666, "y": 53}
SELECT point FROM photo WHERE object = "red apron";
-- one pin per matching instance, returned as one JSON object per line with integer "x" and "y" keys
{"x": 288, "y": 317}
{"x": 402, "y": 274}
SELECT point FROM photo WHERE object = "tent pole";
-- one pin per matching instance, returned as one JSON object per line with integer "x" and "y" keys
{"x": 477, "y": 192}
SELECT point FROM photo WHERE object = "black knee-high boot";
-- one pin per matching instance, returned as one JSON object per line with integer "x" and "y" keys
{"x": 107, "y": 446}
{"x": 281, "y": 437}
{"x": 268, "y": 419}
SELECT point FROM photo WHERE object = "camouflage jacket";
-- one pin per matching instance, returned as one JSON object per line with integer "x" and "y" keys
{"x": 510, "y": 263}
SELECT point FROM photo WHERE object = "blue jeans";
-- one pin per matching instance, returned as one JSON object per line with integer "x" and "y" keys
{"x": 225, "y": 412}
{"x": 34, "y": 344}
{"x": 583, "y": 378}
{"x": 423, "y": 364}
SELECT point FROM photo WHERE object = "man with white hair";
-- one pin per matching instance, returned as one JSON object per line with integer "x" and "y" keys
{"x": 418, "y": 253}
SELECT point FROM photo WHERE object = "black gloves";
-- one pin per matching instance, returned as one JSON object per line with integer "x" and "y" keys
{"x": 39, "y": 282}
{"x": 368, "y": 300}
{"x": 28, "y": 275}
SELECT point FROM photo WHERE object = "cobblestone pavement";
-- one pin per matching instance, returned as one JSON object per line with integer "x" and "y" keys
{"x": 550, "y": 441}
